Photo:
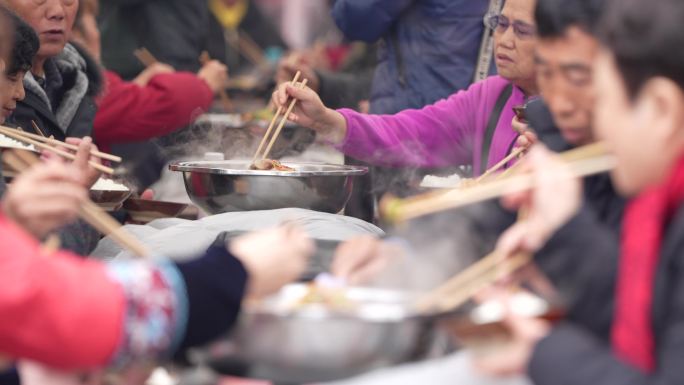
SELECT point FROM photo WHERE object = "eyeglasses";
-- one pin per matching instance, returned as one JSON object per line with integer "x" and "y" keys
{"x": 501, "y": 23}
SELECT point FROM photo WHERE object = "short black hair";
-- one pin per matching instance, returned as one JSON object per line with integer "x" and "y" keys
{"x": 26, "y": 44}
{"x": 555, "y": 17}
{"x": 646, "y": 39}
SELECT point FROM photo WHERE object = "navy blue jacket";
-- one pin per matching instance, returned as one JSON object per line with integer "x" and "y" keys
{"x": 429, "y": 50}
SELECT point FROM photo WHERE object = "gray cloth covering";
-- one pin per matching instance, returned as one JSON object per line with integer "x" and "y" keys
{"x": 180, "y": 239}
{"x": 454, "y": 369}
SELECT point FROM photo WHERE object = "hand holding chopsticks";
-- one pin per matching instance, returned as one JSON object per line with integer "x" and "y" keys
{"x": 584, "y": 161}
{"x": 89, "y": 212}
{"x": 205, "y": 59}
{"x": 258, "y": 155}
{"x": 54, "y": 145}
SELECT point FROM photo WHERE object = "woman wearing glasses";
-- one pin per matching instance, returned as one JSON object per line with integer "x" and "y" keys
{"x": 470, "y": 127}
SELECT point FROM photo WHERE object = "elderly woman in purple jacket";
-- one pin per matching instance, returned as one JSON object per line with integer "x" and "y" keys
{"x": 470, "y": 127}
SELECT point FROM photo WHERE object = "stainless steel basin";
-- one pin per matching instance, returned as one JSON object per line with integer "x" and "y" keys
{"x": 227, "y": 186}
{"x": 317, "y": 343}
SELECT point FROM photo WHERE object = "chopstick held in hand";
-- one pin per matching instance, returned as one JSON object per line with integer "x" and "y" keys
{"x": 89, "y": 212}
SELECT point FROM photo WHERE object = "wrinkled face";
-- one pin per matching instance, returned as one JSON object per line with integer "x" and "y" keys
{"x": 51, "y": 19}
{"x": 564, "y": 77}
{"x": 514, "y": 46}
{"x": 12, "y": 92}
{"x": 644, "y": 133}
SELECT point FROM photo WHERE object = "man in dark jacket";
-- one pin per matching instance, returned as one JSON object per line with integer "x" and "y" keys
{"x": 174, "y": 31}
{"x": 640, "y": 340}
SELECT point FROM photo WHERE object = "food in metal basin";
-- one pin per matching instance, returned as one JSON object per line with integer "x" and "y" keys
{"x": 270, "y": 165}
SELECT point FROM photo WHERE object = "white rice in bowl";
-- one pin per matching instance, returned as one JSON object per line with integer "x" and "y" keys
{"x": 7, "y": 142}
{"x": 104, "y": 184}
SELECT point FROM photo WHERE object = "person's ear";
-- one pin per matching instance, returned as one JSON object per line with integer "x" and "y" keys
{"x": 660, "y": 109}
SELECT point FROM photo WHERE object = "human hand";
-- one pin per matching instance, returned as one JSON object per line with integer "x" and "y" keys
{"x": 288, "y": 67}
{"x": 273, "y": 258}
{"x": 554, "y": 199}
{"x": 311, "y": 112}
{"x": 215, "y": 74}
{"x": 527, "y": 137}
{"x": 153, "y": 70}
{"x": 45, "y": 198}
{"x": 85, "y": 145}
{"x": 514, "y": 357}
{"x": 361, "y": 259}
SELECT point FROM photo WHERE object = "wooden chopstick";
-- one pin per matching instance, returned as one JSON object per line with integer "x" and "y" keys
{"x": 464, "y": 286}
{"x": 399, "y": 210}
{"x": 271, "y": 125}
{"x": 514, "y": 154}
{"x": 579, "y": 153}
{"x": 98, "y": 154}
{"x": 225, "y": 100}
{"x": 301, "y": 85}
{"x": 38, "y": 130}
{"x": 89, "y": 212}
{"x": 245, "y": 45}
{"x": 145, "y": 57}
{"x": 14, "y": 134}
{"x": 251, "y": 49}
{"x": 106, "y": 225}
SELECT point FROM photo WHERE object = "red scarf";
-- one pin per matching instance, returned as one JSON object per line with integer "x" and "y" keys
{"x": 644, "y": 224}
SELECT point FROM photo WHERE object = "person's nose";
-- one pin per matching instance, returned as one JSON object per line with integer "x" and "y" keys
{"x": 55, "y": 10}
{"x": 19, "y": 92}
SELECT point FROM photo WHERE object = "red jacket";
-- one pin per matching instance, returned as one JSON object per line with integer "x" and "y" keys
{"x": 46, "y": 315}
{"x": 72, "y": 313}
{"x": 130, "y": 113}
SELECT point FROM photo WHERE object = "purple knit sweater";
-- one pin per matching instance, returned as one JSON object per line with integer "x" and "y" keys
{"x": 447, "y": 133}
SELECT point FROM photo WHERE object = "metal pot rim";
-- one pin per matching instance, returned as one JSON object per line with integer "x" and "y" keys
{"x": 379, "y": 306}
{"x": 231, "y": 167}
{"x": 339, "y": 315}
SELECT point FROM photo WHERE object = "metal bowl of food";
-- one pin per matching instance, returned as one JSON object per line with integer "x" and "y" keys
{"x": 226, "y": 186}
{"x": 300, "y": 335}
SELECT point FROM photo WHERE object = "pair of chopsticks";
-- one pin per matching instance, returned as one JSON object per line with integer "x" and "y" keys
{"x": 53, "y": 145}
{"x": 479, "y": 276}
{"x": 513, "y": 155}
{"x": 248, "y": 47}
{"x": 225, "y": 100}
{"x": 583, "y": 161}
{"x": 274, "y": 137}
{"x": 89, "y": 212}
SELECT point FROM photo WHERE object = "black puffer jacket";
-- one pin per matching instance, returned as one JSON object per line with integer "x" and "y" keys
{"x": 65, "y": 105}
